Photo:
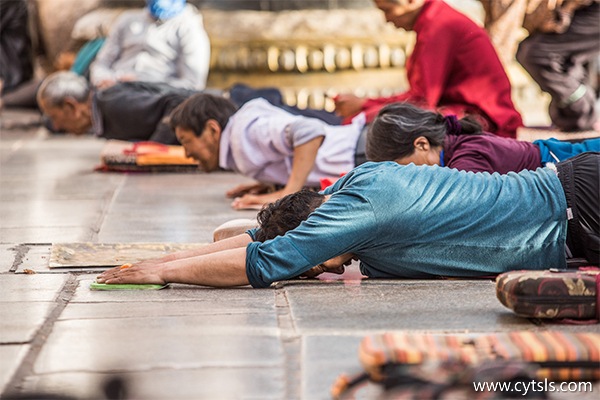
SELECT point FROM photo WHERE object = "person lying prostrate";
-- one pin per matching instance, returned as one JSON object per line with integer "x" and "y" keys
{"x": 408, "y": 221}
{"x": 405, "y": 133}
{"x": 266, "y": 143}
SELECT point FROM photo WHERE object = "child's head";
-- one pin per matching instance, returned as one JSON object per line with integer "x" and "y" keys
{"x": 198, "y": 123}
{"x": 286, "y": 214}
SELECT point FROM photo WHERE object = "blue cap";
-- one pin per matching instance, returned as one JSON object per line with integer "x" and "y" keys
{"x": 165, "y": 9}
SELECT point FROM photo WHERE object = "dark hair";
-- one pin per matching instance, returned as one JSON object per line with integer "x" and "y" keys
{"x": 287, "y": 213}
{"x": 195, "y": 111}
{"x": 397, "y": 125}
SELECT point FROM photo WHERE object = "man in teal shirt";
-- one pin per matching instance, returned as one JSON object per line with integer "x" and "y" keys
{"x": 407, "y": 221}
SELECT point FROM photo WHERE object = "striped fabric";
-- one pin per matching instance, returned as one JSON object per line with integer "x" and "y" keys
{"x": 555, "y": 355}
{"x": 561, "y": 356}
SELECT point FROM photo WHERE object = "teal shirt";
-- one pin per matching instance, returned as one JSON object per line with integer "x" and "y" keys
{"x": 421, "y": 221}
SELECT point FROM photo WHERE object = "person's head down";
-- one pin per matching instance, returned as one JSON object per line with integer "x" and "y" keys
{"x": 63, "y": 97}
{"x": 405, "y": 133}
{"x": 401, "y": 13}
{"x": 287, "y": 213}
{"x": 198, "y": 123}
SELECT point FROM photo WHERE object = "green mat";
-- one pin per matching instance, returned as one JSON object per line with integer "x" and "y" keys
{"x": 126, "y": 286}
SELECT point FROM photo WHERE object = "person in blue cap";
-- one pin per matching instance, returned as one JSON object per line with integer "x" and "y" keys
{"x": 165, "y": 42}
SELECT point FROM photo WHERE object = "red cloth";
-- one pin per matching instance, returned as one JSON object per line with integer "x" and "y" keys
{"x": 454, "y": 68}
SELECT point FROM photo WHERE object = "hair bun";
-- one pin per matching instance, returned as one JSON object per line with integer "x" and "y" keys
{"x": 453, "y": 126}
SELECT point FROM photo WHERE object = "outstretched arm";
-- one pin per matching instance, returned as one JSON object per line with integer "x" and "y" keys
{"x": 220, "y": 269}
{"x": 216, "y": 247}
{"x": 152, "y": 270}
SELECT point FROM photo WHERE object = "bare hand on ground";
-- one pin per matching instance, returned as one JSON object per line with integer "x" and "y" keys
{"x": 136, "y": 273}
{"x": 249, "y": 188}
{"x": 254, "y": 201}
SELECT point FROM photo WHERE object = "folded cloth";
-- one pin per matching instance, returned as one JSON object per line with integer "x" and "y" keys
{"x": 124, "y": 156}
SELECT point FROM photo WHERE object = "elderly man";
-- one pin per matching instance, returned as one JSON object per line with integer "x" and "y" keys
{"x": 453, "y": 67}
{"x": 131, "y": 111}
{"x": 406, "y": 221}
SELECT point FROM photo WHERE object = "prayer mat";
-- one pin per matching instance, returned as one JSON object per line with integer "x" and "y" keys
{"x": 63, "y": 255}
{"x": 122, "y": 156}
{"x": 530, "y": 134}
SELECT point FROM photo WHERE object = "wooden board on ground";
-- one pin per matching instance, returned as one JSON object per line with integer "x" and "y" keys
{"x": 530, "y": 134}
{"x": 63, "y": 255}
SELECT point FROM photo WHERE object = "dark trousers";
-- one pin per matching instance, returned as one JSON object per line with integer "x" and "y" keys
{"x": 240, "y": 94}
{"x": 580, "y": 179}
{"x": 557, "y": 62}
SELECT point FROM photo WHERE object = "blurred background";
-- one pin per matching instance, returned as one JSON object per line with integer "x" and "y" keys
{"x": 309, "y": 49}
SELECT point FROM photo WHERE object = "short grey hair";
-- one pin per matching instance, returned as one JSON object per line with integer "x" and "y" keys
{"x": 62, "y": 85}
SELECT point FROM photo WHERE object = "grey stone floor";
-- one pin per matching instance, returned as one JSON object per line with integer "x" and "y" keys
{"x": 287, "y": 342}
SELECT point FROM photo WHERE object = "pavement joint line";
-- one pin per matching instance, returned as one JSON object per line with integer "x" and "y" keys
{"x": 106, "y": 206}
{"x": 26, "y": 368}
{"x": 21, "y": 250}
{"x": 291, "y": 343}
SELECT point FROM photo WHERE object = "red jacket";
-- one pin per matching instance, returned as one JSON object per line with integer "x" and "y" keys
{"x": 454, "y": 68}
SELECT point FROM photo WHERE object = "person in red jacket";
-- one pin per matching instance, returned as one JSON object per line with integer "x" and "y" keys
{"x": 453, "y": 68}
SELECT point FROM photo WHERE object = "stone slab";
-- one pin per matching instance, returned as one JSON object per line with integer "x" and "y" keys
{"x": 161, "y": 230}
{"x": 435, "y": 305}
{"x": 182, "y": 384}
{"x": 36, "y": 257}
{"x": 324, "y": 359}
{"x": 88, "y": 185}
{"x": 50, "y": 213}
{"x": 11, "y": 357}
{"x": 133, "y": 309}
{"x": 182, "y": 342}
{"x": 177, "y": 213}
{"x": 25, "y": 302}
{"x": 7, "y": 256}
{"x": 214, "y": 297}
{"x": 21, "y": 320}
{"x": 21, "y": 288}
{"x": 44, "y": 234}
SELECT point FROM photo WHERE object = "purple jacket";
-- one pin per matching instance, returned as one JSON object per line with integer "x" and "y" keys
{"x": 491, "y": 153}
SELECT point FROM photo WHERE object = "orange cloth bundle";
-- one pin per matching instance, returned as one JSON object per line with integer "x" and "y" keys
{"x": 124, "y": 156}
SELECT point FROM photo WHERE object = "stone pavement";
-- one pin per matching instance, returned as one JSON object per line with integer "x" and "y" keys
{"x": 287, "y": 342}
